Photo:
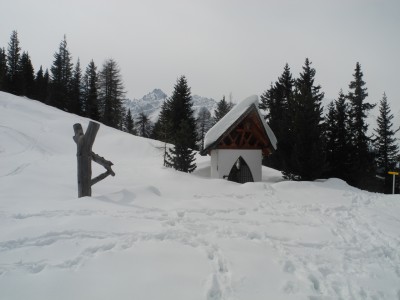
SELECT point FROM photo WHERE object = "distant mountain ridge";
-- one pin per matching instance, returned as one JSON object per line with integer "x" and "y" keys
{"x": 151, "y": 103}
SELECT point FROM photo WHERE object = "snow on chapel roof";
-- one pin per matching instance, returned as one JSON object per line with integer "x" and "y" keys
{"x": 238, "y": 111}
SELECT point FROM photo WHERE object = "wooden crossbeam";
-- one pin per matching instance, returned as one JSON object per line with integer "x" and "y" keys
{"x": 85, "y": 155}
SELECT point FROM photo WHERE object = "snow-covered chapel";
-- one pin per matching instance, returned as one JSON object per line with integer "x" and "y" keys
{"x": 237, "y": 143}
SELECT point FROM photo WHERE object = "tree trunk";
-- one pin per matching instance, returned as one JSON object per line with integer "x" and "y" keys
{"x": 84, "y": 144}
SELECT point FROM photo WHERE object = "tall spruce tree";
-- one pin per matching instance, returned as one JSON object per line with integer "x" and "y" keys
{"x": 181, "y": 157}
{"x": 90, "y": 105}
{"x": 76, "y": 90}
{"x": 223, "y": 107}
{"x": 129, "y": 123}
{"x": 182, "y": 125}
{"x": 361, "y": 156}
{"x": 162, "y": 127}
{"x": 46, "y": 87}
{"x": 39, "y": 78}
{"x": 3, "y": 70}
{"x": 13, "y": 59}
{"x": 277, "y": 102}
{"x": 387, "y": 150}
{"x": 143, "y": 124}
{"x": 61, "y": 76}
{"x": 111, "y": 94}
{"x": 25, "y": 76}
{"x": 337, "y": 136}
{"x": 41, "y": 85}
{"x": 307, "y": 161}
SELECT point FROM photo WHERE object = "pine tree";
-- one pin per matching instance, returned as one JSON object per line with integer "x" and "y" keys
{"x": 223, "y": 107}
{"x": 180, "y": 108}
{"x": 204, "y": 123}
{"x": 46, "y": 87}
{"x": 61, "y": 77}
{"x": 277, "y": 101}
{"x": 337, "y": 136}
{"x": 3, "y": 70}
{"x": 144, "y": 125}
{"x": 330, "y": 134}
{"x": 25, "y": 76}
{"x": 182, "y": 128}
{"x": 360, "y": 154}
{"x": 387, "y": 150}
{"x": 37, "y": 86}
{"x": 13, "y": 57}
{"x": 181, "y": 157}
{"x": 41, "y": 86}
{"x": 129, "y": 124}
{"x": 111, "y": 94}
{"x": 76, "y": 94}
{"x": 162, "y": 128}
{"x": 307, "y": 161}
{"x": 90, "y": 104}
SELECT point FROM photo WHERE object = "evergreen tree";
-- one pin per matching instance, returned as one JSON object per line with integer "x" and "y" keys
{"x": 387, "y": 150}
{"x": 3, "y": 70}
{"x": 46, "y": 87}
{"x": 204, "y": 123}
{"x": 223, "y": 107}
{"x": 337, "y": 136}
{"x": 39, "y": 78}
{"x": 180, "y": 108}
{"x": 111, "y": 94}
{"x": 144, "y": 125}
{"x": 181, "y": 157}
{"x": 330, "y": 132}
{"x": 13, "y": 57}
{"x": 90, "y": 104}
{"x": 25, "y": 76}
{"x": 41, "y": 84}
{"x": 361, "y": 156}
{"x": 277, "y": 101}
{"x": 181, "y": 127}
{"x": 307, "y": 161}
{"x": 162, "y": 127}
{"x": 129, "y": 124}
{"x": 61, "y": 77}
{"x": 76, "y": 104}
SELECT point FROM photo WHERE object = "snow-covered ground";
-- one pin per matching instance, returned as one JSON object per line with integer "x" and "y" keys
{"x": 154, "y": 233}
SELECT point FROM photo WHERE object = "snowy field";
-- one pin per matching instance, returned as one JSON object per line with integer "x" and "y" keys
{"x": 154, "y": 233}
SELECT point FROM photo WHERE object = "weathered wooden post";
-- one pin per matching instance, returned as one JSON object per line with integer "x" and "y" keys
{"x": 85, "y": 155}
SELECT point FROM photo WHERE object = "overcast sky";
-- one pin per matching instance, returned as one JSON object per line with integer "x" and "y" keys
{"x": 222, "y": 46}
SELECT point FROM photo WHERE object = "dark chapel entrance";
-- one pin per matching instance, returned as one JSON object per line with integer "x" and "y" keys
{"x": 240, "y": 172}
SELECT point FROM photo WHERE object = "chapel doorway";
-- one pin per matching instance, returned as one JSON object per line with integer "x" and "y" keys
{"x": 240, "y": 172}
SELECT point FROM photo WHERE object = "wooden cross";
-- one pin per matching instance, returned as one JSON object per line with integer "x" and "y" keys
{"x": 85, "y": 155}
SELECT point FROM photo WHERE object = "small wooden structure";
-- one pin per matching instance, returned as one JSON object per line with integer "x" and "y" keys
{"x": 85, "y": 155}
{"x": 238, "y": 142}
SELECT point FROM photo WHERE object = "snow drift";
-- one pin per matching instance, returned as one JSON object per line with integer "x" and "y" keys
{"x": 154, "y": 233}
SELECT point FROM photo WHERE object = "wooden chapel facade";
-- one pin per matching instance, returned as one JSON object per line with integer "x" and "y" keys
{"x": 237, "y": 143}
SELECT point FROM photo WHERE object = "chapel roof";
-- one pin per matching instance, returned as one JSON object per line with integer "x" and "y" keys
{"x": 243, "y": 127}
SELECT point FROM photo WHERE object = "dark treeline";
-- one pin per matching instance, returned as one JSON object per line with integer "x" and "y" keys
{"x": 312, "y": 145}
{"x": 92, "y": 93}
